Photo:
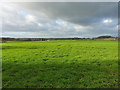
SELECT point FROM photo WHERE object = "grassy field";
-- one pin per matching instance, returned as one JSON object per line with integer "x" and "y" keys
{"x": 60, "y": 64}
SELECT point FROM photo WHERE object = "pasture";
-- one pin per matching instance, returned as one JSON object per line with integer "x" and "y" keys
{"x": 60, "y": 64}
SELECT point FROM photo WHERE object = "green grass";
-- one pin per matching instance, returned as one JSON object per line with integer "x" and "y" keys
{"x": 60, "y": 64}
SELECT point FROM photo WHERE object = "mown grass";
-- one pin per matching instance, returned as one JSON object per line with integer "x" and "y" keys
{"x": 60, "y": 64}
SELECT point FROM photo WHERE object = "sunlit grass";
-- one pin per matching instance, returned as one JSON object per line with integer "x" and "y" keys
{"x": 60, "y": 64}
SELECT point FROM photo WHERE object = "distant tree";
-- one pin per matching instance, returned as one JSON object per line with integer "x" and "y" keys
{"x": 105, "y": 36}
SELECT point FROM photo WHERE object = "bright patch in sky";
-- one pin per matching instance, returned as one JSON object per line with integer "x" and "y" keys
{"x": 82, "y": 28}
{"x": 31, "y": 18}
{"x": 61, "y": 22}
{"x": 40, "y": 25}
{"x": 107, "y": 21}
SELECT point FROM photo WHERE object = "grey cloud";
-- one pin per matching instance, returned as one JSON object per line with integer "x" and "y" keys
{"x": 74, "y": 13}
{"x": 84, "y": 13}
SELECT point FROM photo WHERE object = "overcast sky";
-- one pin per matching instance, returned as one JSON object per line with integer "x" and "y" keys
{"x": 67, "y": 19}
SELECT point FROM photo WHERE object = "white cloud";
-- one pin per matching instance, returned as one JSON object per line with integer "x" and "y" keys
{"x": 107, "y": 21}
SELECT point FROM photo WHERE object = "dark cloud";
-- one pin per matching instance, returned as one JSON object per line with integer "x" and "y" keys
{"x": 84, "y": 13}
